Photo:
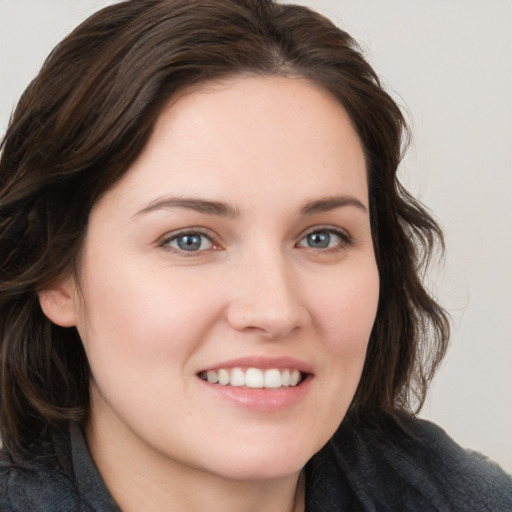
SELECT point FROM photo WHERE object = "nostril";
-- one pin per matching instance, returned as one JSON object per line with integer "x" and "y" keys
{"x": 272, "y": 322}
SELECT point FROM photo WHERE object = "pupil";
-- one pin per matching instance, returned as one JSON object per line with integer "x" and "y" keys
{"x": 189, "y": 242}
{"x": 319, "y": 240}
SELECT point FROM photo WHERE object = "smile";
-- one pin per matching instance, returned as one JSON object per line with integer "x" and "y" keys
{"x": 272, "y": 378}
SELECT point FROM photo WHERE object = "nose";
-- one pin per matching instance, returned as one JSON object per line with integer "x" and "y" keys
{"x": 267, "y": 298}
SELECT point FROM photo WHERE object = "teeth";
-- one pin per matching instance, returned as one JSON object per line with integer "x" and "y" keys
{"x": 253, "y": 377}
{"x": 272, "y": 379}
{"x": 212, "y": 376}
{"x": 237, "y": 377}
{"x": 223, "y": 377}
{"x": 294, "y": 378}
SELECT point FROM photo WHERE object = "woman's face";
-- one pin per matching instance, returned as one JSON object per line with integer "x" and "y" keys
{"x": 237, "y": 247}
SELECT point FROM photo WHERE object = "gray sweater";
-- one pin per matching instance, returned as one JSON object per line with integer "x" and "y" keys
{"x": 413, "y": 466}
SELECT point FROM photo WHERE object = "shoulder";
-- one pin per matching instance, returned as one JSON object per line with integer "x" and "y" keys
{"x": 38, "y": 484}
{"x": 414, "y": 465}
{"x": 451, "y": 473}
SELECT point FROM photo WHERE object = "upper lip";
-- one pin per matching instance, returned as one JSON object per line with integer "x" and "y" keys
{"x": 262, "y": 362}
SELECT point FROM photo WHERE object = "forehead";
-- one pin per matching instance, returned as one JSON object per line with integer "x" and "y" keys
{"x": 246, "y": 136}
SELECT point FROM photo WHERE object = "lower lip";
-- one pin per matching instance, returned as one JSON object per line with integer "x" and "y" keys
{"x": 261, "y": 400}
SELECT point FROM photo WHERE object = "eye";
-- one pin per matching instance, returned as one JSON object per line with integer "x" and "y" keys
{"x": 325, "y": 239}
{"x": 189, "y": 242}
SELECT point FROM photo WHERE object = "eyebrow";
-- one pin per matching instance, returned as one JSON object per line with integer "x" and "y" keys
{"x": 204, "y": 206}
{"x": 326, "y": 204}
{"x": 221, "y": 209}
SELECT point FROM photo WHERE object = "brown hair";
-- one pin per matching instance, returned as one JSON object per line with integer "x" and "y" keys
{"x": 86, "y": 117}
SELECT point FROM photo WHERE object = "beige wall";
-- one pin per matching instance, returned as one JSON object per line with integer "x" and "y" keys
{"x": 450, "y": 62}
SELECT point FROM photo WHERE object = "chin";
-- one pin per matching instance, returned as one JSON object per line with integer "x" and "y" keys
{"x": 262, "y": 462}
{"x": 270, "y": 469}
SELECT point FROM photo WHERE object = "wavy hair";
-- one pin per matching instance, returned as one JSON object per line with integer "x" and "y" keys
{"x": 86, "y": 117}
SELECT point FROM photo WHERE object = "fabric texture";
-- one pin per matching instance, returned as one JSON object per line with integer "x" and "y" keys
{"x": 413, "y": 466}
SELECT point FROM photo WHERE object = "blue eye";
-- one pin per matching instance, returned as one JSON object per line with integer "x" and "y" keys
{"x": 190, "y": 242}
{"x": 323, "y": 239}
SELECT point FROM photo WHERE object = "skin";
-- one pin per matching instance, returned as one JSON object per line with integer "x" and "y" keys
{"x": 152, "y": 316}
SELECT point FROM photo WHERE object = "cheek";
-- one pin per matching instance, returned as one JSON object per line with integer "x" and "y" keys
{"x": 345, "y": 313}
{"x": 142, "y": 320}
{"x": 347, "y": 310}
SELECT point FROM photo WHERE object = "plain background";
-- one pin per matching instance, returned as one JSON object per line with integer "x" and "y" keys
{"x": 449, "y": 64}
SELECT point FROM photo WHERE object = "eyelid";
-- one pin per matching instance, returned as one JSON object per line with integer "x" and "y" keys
{"x": 346, "y": 238}
{"x": 165, "y": 240}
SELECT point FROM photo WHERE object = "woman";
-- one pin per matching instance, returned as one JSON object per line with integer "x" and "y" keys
{"x": 209, "y": 276}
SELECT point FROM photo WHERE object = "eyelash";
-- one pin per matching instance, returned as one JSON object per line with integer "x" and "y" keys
{"x": 346, "y": 240}
{"x": 189, "y": 232}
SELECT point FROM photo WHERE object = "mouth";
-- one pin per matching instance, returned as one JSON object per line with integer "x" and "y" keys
{"x": 254, "y": 378}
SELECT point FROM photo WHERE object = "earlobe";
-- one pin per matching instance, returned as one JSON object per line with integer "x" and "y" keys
{"x": 58, "y": 304}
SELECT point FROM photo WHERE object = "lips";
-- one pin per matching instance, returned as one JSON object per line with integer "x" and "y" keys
{"x": 255, "y": 378}
{"x": 258, "y": 372}
{"x": 259, "y": 384}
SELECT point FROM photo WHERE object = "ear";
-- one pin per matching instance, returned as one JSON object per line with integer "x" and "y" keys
{"x": 58, "y": 303}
